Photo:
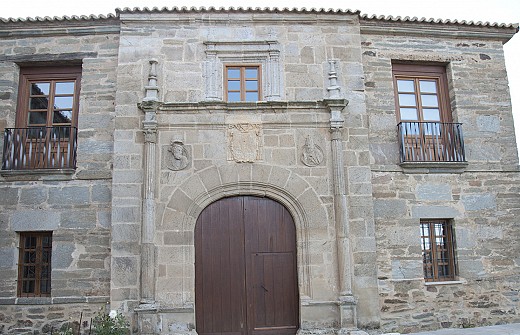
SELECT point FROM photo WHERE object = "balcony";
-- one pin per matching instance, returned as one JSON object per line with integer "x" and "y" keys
{"x": 431, "y": 142}
{"x": 40, "y": 148}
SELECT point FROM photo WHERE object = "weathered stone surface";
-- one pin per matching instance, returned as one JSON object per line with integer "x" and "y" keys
{"x": 33, "y": 220}
{"x": 96, "y": 213}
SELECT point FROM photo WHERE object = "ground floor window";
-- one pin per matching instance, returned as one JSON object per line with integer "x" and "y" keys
{"x": 34, "y": 265}
{"x": 438, "y": 250}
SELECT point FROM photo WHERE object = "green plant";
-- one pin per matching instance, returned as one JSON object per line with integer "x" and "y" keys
{"x": 113, "y": 323}
{"x": 66, "y": 330}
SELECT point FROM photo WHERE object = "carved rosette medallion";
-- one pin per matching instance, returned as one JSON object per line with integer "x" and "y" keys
{"x": 312, "y": 154}
{"x": 179, "y": 159}
{"x": 244, "y": 142}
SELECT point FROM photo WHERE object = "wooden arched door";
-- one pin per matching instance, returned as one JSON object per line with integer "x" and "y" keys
{"x": 245, "y": 268}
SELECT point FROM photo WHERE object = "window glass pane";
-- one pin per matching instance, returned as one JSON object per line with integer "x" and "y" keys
{"x": 65, "y": 87}
{"x": 233, "y": 85}
{"x": 251, "y": 96}
{"x": 429, "y": 100}
{"x": 62, "y": 117}
{"x": 408, "y": 114}
{"x": 407, "y": 100}
{"x": 233, "y": 73}
{"x": 47, "y": 241}
{"x": 37, "y": 118}
{"x": 233, "y": 96}
{"x": 45, "y": 286}
{"x": 29, "y": 271}
{"x": 40, "y": 88}
{"x": 428, "y": 86}
{"x": 28, "y": 287}
{"x": 252, "y": 72}
{"x": 38, "y": 103}
{"x": 63, "y": 102}
{"x": 405, "y": 86}
{"x": 61, "y": 132}
{"x": 46, "y": 256}
{"x": 30, "y": 242}
{"x": 252, "y": 85}
{"x": 431, "y": 114}
{"x": 29, "y": 257}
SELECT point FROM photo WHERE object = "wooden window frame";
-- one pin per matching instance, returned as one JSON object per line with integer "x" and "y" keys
{"x": 243, "y": 90}
{"x": 39, "y": 263}
{"x": 51, "y": 74}
{"x": 417, "y": 72}
{"x": 433, "y": 259}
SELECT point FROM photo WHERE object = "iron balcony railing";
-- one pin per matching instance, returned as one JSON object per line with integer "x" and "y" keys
{"x": 40, "y": 148}
{"x": 431, "y": 142}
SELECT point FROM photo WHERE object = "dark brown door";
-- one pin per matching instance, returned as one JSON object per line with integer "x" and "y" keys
{"x": 245, "y": 268}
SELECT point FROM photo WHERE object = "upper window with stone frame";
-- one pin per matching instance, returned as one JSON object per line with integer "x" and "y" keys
{"x": 45, "y": 136}
{"x": 34, "y": 264}
{"x": 247, "y": 71}
{"x": 426, "y": 129}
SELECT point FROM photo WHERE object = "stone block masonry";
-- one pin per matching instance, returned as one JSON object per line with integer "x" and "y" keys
{"x": 158, "y": 143}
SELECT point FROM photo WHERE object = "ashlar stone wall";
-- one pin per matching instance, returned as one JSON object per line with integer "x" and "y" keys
{"x": 75, "y": 207}
{"x": 482, "y": 202}
{"x": 190, "y": 59}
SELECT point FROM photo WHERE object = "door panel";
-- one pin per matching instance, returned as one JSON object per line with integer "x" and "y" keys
{"x": 245, "y": 268}
{"x": 219, "y": 269}
{"x": 273, "y": 304}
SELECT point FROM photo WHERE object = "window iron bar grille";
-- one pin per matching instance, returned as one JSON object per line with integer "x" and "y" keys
{"x": 437, "y": 243}
{"x": 40, "y": 148}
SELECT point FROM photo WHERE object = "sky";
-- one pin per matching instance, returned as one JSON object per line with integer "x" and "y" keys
{"x": 502, "y": 11}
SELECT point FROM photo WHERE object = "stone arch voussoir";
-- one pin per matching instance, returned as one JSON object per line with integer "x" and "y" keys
{"x": 282, "y": 185}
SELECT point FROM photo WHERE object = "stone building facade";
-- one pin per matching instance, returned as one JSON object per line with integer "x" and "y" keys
{"x": 163, "y": 153}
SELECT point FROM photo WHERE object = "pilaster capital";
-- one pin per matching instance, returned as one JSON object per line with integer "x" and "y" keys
{"x": 336, "y": 106}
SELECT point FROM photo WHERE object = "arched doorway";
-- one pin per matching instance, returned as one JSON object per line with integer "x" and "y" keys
{"x": 245, "y": 268}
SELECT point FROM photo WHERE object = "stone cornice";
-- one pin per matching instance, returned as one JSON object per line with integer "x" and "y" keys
{"x": 434, "y": 29}
{"x": 224, "y": 107}
{"x": 24, "y": 29}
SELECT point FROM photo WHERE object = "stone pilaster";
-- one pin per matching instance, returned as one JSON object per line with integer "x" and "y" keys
{"x": 149, "y": 107}
{"x": 346, "y": 300}
{"x": 211, "y": 70}
{"x": 273, "y": 72}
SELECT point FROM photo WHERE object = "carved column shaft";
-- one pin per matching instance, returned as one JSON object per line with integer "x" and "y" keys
{"x": 341, "y": 215}
{"x": 148, "y": 224}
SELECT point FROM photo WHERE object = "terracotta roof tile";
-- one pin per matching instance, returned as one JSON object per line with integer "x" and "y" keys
{"x": 285, "y": 10}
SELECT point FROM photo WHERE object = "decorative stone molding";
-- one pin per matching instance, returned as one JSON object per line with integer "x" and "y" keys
{"x": 245, "y": 142}
{"x": 152, "y": 90}
{"x": 333, "y": 89}
{"x": 220, "y": 53}
{"x": 312, "y": 154}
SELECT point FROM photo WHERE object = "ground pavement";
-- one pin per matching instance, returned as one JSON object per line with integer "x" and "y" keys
{"x": 510, "y": 329}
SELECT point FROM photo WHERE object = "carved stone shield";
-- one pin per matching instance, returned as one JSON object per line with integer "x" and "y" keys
{"x": 244, "y": 142}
